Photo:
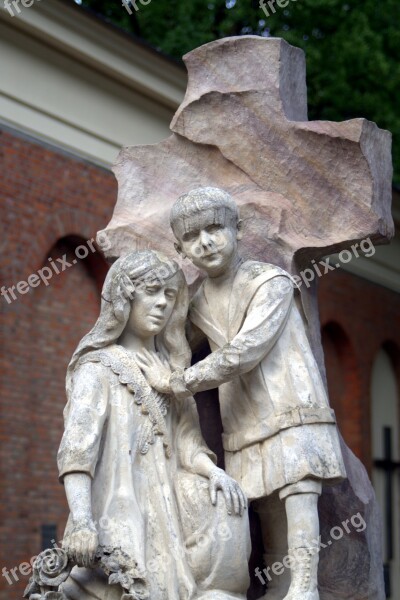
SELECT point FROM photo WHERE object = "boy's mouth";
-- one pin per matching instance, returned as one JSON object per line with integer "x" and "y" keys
{"x": 210, "y": 254}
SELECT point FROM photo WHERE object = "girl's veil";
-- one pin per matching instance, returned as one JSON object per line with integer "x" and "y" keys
{"x": 124, "y": 276}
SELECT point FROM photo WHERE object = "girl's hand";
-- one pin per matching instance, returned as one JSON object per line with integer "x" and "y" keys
{"x": 155, "y": 370}
{"x": 81, "y": 544}
{"x": 234, "y": 497}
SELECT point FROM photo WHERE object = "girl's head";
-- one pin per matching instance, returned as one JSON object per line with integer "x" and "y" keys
{"x": 147, "y": 293}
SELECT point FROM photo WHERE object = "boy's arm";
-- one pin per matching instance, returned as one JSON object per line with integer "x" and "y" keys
{"x": 266, "y": 317}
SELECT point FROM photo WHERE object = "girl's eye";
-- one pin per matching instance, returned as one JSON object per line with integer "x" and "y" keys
{"x": 151, "y": 291}
{"x": 171, "y": 295}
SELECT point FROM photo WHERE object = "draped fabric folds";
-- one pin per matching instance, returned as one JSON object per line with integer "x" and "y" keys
{"x": 158, "y": 532}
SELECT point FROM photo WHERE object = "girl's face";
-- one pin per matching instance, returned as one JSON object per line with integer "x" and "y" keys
{"x": 152, "y": 306}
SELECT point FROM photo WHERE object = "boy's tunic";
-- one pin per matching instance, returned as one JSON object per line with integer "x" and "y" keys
{"x": 278, "y": 426}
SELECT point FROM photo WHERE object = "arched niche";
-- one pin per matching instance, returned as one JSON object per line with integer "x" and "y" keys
{"x": 343, "y": 383}
{"x": 61, "y": 313}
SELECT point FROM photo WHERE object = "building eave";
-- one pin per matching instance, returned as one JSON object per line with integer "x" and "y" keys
{"x": 76, "y": 33}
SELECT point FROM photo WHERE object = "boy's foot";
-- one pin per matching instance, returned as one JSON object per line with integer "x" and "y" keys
{"x": 304, "y": 575}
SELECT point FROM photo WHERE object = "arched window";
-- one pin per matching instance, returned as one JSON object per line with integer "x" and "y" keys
{"x": 343, "y": 384}
{"x": 65, "y": 306}
{"x": 386, "y": 457}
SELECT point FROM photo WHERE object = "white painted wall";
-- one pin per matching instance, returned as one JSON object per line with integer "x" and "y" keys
{"x": 70, "y": 79}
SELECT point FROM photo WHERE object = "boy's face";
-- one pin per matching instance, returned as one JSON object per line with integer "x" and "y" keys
{"x": 209, "y": 241}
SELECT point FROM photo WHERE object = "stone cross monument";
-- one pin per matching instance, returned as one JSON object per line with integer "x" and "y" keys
{"x": 142, "y": 486}
{"x": 305, "y": 190}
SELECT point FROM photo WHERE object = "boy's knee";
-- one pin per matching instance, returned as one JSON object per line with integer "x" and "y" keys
{"x": 305, "y": 486}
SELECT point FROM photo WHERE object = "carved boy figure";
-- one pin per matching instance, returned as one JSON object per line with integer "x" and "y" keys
{"x": 280, "y": 438}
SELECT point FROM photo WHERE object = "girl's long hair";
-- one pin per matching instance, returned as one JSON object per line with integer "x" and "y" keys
{"x": 126, "y": 274}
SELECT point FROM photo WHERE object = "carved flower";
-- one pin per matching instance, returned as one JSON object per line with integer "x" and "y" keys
{"x": 51, "y": 568}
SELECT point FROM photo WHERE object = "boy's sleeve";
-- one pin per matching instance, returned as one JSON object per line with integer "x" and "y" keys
{"x": 84, "y": 418}
{"x": 189, "y": 440}
{"x": 265, "y": 318}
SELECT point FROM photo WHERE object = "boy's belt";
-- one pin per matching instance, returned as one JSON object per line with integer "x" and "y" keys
{"x": 266, "y": 429}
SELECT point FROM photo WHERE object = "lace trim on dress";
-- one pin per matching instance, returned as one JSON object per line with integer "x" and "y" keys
{"x": 153, "y": 404}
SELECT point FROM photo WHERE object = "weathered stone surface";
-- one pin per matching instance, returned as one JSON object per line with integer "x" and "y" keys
{"x": 316, "y": 185}
{"x": 305, "y": 189}
{"x": 351, "y": 567}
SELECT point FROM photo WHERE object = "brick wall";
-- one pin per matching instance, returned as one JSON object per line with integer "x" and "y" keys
{"x": 357, "y": 319}
{"x": 50, "y": 204}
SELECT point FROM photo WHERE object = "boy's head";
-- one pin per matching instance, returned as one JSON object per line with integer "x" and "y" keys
{"x": 206, "y": 224}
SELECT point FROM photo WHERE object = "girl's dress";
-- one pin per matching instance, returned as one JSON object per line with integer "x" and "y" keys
{"x": 159, "y": 535}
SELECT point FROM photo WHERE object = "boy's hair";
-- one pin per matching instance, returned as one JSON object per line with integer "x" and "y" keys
{"x": 202, "y": 199}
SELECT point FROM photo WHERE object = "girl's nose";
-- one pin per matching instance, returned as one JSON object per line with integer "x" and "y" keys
{"x": 161, "y": 300}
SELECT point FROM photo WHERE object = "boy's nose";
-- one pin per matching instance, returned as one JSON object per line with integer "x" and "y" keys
{"x": 205, "y": 238}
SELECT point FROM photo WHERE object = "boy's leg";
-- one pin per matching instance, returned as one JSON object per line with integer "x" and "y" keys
{"x": 271, "y": 511}
{"x": 301, "y": 503}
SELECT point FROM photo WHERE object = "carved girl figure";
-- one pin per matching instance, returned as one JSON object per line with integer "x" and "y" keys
{"x": 146, "y": 518}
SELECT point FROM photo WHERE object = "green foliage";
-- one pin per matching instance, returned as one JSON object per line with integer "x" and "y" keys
{"x": 352, "y": 46}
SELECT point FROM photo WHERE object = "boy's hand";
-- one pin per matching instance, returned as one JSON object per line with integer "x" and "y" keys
{"x": 234, "y": 497}
{"x": 155, "y": 370}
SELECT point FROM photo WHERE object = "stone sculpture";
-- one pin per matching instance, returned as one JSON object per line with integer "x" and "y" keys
{"x": 280, "y": 437}
{"x": 148, "y": 519}
{"x": 304, "y": 190}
